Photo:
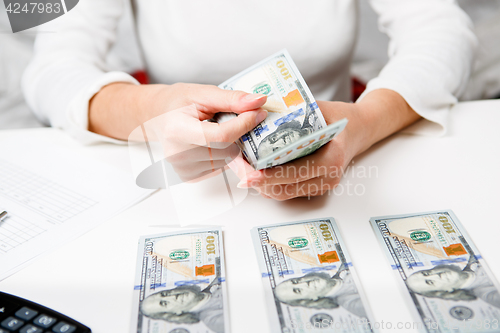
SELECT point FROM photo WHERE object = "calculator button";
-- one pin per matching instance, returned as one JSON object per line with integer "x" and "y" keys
{"x": 7, "y": 307}
{"x": 12, "y": 323}
{"x": 30, "y": 329}
{"x": 3, "y": 331}
{"x": 26, "y": 313}
{"x": 63, "y": 327}
{"x": 44, "y": 321}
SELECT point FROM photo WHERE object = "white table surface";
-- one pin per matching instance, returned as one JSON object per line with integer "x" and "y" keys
{"x": 91, "y": 279}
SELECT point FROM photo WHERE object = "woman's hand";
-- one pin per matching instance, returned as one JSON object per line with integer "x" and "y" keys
{"x": 175, "y": 115}
{"x": 196, "y": 148}
{"x": 379, "y": 114}
{"x": 319, "y": 172}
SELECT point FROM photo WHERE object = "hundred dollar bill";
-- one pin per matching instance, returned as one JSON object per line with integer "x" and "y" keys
{"x": 309, "y": 280}
{"x": 448, "y": 284}
{"x": 294, "y": 127}
{"x": 180, "y": 284}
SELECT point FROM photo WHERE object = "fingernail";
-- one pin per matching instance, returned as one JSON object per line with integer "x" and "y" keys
{"x": 253, "y": 97}
{"x": 260, "y": 117}
{"x": 232, "y": 165}
{"x": 242, "y": 184}
{"x": 254, "y": 174}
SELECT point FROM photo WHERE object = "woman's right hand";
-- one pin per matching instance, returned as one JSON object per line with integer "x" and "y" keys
{"x": 177, "y": 113}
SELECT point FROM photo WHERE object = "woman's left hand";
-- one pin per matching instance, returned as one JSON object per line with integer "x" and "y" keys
{"x": 379, "y": 114}
{"x": 319, "y": 172}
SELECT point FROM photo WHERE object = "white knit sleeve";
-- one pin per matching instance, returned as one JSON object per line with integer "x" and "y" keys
{"x": 68, "y": 67}
{"x": 431, "y": 51}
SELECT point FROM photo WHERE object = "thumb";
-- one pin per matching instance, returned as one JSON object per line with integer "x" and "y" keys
{"x": 240, "y": 167}
{"x": 230, "y": 131}
{"x": 212, "y": 99}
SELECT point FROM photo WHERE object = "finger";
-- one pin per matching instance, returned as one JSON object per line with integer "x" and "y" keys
{"x": 204, "y": 175}
{"x": 227, "y": 154}
{"x": 211, "y": 99}
{"x": 178, "y": 130}
{"x": 197, "y": 154}
{"x": 182, "y": 130}
{"x": 230, "y": 131}
{"x": 240, "y": 167}
{"x": 300, "y": 170}
{"x": 189, "y": 172}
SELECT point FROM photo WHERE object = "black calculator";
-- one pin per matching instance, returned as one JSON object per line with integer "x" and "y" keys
{"x": 22, "y": 316}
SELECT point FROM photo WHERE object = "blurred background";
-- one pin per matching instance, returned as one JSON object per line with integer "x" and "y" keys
{"x": 370, "y": 56}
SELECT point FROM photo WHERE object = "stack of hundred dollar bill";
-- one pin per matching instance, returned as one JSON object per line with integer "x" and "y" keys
{"x": 294, "y": 126}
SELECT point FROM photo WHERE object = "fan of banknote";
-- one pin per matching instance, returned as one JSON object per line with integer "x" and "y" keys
{"x": 294, "y": 127}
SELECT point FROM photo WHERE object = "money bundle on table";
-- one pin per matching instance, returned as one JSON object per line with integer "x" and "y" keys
{"x": 180, "y": 284}
{"x": 309, "y": 279}
{"x": 449, "y": 286}
{"x": 294, "y": 126}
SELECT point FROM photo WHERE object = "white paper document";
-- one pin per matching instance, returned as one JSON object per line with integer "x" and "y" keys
{"x": 52, "y": 195}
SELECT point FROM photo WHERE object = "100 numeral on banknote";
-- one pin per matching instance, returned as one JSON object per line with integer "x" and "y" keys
{"x": 309, "y": 280}
{"x": 294, "y": 126}
{"x": 180, "y": 284}
{"x": 450, "y": 288}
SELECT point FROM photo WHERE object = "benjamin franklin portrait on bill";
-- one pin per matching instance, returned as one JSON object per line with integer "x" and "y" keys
{"x": 318, "y": 290}
{"x": 450, "y": 282}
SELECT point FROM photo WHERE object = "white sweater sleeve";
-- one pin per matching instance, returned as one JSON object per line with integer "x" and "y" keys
{"x": 431, "y": 52}
{"x": 68, "y": 67}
